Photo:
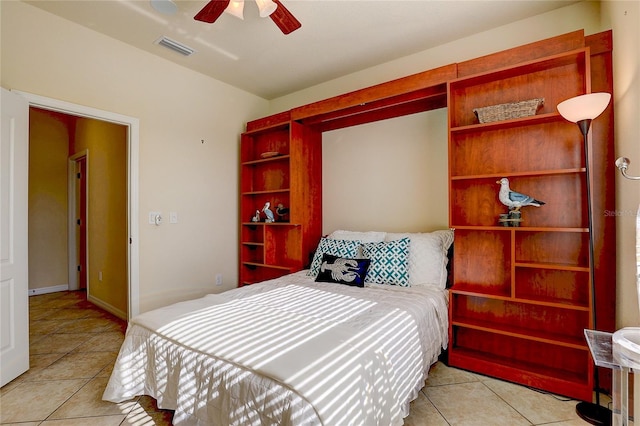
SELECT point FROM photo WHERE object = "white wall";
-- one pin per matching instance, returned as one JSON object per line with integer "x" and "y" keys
{"x": 623, "y": 17}
{"x": 177, "y": 108}
{"x": 388, "y": 175}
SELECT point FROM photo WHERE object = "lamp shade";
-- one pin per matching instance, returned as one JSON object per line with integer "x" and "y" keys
{"x": 584, "y": 107}
{"x": 236, "y": 8}
{"x": 267, "y": 7}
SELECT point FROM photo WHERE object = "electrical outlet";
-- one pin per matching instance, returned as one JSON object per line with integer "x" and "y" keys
{"x": 155, "y": 218}
{"x": 100, "y": 276}
{"x": 219, "y": 279}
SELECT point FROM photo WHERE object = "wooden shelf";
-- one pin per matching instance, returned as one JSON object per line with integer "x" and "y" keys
{"x": 520, "y": 174}
{"x": 546, "y": 370}
{"x": 554, "y": 266}
{"x": 540, "y": 269}
{"x": 526, "y": 334}
{"x": 266, "y": 160}
{"x": 569, "y": 383}
{"x": 292, "y": 178}
{"x": 521, "y": 228}
{"x": 266, "y": 191}
{"x": 254, "y": 272}
{"x": 520, "y": 292}
{"x": 576, "y": 58}
{"x": 475, "y": 201}
{"x": 249, "y": 224}
{"x": 262, "y": 265}
{"x": 527, "y": 80}
{"x": 470, "y": 290}
{"x": 506, "y": 124}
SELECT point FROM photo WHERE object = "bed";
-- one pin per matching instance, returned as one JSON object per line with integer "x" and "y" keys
{"x": 348, "y": 341}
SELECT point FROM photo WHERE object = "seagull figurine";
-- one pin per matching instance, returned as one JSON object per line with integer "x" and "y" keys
{"x": 514, "y": 200}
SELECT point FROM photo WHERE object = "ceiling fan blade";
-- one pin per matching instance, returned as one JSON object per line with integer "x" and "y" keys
{"x": 212, "y": 11}
{"x": 284, "y": 19}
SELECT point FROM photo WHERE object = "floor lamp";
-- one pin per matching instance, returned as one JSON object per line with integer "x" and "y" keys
{"x": 582, "y": 110}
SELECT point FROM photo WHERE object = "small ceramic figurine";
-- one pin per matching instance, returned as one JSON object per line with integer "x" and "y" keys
{"x": 256, "y": 218}
{"x": 268, "y": 213}
{"x": 514, "y": 200}
{"x": 281, "y": 211}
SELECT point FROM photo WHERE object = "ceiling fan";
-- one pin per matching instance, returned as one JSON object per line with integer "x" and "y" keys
{"x": 272, "y": 8}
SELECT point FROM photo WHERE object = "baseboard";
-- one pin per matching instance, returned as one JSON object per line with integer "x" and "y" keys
{"x": 45, "y": 290}
{"x": 107, "y": 307}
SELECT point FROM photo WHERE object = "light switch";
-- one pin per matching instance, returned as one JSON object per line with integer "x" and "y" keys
{"x": 173, "y": 217}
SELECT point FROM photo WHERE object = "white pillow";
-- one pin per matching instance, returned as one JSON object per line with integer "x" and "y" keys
{"x": 364, "y": 237}
{"x": 427, "y": 256}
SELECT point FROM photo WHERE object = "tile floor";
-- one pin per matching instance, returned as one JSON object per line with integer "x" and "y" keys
{"x": 74, "y": 344}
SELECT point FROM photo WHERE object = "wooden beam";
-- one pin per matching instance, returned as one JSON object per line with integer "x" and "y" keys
{"x": 382, "y": 95}
{"x": 528, "y": 52}
{"x": 270, "y": 121}
{"x": 410, "y": 103}
{"x": 383, "y": 114}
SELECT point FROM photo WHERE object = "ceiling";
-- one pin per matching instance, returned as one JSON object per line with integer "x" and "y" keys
{"x": 338, "y": 37}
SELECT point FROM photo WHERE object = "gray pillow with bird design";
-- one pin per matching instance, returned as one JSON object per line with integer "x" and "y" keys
{"x": 335, "y": 269}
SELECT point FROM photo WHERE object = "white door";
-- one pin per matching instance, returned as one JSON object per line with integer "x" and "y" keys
{"x": 14, "y": 180}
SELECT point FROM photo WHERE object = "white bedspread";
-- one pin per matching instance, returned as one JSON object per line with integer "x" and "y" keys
{"x": 287, "y": 352}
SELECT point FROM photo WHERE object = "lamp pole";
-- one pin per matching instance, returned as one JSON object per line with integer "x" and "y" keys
{"x": 595, "y": 414}
{"x": 582, "y": 110}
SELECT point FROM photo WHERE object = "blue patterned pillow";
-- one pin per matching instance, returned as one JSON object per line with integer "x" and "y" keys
{"x": 389, "y": 262}
{"x": 334, "y": 269}
{"x": 341, "y": 248}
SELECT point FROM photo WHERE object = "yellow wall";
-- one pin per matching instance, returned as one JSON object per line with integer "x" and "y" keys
{"x": 53, "y": 138}
{"x": 48, "y": 221}
{"x": 106, "y": 146}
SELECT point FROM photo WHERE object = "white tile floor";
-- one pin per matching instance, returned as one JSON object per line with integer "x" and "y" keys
{"x": 74, "y": 344}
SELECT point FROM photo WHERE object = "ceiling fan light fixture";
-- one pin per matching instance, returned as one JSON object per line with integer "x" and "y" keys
{"x": 236, "y": 8}
{"x": 274, "y": 9}
{"x": 266, "y": 7}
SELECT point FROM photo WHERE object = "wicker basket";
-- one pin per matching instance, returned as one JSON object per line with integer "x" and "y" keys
{"x": 507, "y": 111}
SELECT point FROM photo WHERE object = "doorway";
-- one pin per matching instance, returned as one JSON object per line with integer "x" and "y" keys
{"x": 130, "y": 211}
{"x": 81, "y": 222}
{"x": 74, "y": 238}
{"x": 77, "y": 241}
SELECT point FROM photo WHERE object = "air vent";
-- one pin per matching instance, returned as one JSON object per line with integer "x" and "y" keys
{"x": 175, "y": 46}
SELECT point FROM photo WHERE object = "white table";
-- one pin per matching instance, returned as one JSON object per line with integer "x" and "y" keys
{"x": 600, "y": 345}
